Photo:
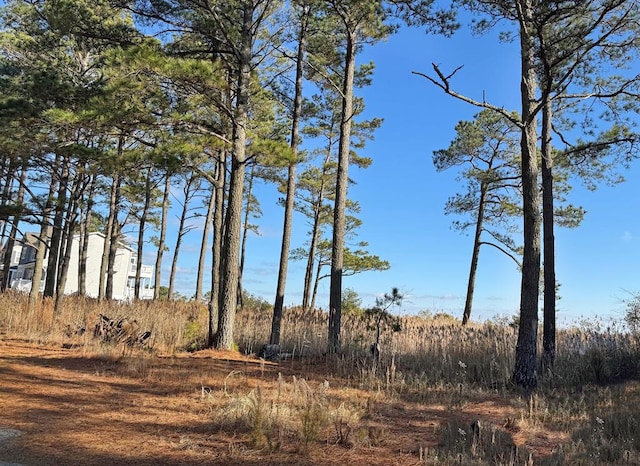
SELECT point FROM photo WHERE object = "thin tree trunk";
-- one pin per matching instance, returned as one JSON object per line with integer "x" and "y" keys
{"x": 11, "y": 240}
{"x": 245, "y": 232}
{"x": 188, "y": 194}
{"x": 83, "y": 247}
{"x": 113, "y": 246}
{"x": 475, "y": 255}
{"x": 113, "y": 219}
{"x": 203, "y": 245}
{"x": 339, "y": 214}
{"x": 8, "y": 167}
{"x": 141, "y": 226}
{"x": 113, "y": 212}
{"x": 216, "y": 247}
{"x": 276, "y": 322}
{"x": 316, "y": 284}
{"x": 308, "y": 274}
{"x": 66, "y": 242}
{"x": 163, "y": 236}
{"x": 549, "y": 313}
{"x": 65, "y": 247}
{"x": 524, "y": 373}
{"x": 315, "y": 237}
{"x": 57, "y": 232}
{"x": 45, "y": 231}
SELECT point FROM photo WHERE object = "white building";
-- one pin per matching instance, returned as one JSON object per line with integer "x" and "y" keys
{"x": 15, "y": 260}
{"x": 124, "y": 269}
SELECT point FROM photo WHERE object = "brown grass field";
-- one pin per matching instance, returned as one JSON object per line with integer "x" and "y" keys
{"x": 441, "y": 397}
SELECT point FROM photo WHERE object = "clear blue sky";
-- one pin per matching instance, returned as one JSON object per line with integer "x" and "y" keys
{"x": 402, "y": 199}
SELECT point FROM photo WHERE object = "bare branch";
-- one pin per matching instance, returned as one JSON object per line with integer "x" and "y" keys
{"x": 443, "y": 83}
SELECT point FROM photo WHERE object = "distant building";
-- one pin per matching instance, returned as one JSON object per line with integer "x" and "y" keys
{"x": 14, "y": 261}
{"x": 124, "y": 268}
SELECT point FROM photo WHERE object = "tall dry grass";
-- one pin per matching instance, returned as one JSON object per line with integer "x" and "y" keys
{"x": 426, "y": 352}
{"x": 429, "y": 360}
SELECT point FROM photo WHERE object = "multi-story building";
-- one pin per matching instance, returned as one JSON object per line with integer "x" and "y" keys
{"x": 124, "y": 268}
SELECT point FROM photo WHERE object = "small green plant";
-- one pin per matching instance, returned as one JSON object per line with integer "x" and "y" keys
{"x": 351, "y": 303}
{"x": 380, "y": 318}
{"x": 194, "y": 335}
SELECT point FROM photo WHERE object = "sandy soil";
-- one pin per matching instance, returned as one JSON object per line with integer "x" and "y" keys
{"x": 61, "y": 407}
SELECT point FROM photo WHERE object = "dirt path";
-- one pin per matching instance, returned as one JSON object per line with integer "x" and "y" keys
{"x": 60, "y": 407}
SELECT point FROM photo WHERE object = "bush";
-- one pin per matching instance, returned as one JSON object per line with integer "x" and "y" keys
{"x": 632, "y": 313}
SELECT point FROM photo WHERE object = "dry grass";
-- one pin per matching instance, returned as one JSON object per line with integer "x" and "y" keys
{"x": 431, "y": 362}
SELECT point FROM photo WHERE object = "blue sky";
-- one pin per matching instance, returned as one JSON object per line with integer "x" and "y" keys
{"x": 402, "y": 199}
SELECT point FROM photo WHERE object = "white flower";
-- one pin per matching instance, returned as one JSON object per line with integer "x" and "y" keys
{"x": 599, "y": 420}
{"x": 461, "y": 364}
{"x": 461, "y": 431}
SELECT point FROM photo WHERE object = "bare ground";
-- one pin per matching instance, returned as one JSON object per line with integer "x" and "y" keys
{"x": 76, "y": 409}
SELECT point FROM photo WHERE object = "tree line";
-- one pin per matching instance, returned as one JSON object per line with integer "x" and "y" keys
{"x": 108, "y": 106}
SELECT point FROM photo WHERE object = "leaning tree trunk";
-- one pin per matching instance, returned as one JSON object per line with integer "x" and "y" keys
{"x": 289, "y": 203}
{"x": 182, "y": 230}
{"x": 45, "y": 232}
{"x": 524, "y": 372}
{"x": 475, "y": 255}
{"x": 316, "y": 285}
{"x": 163, "y": 236}
{"x": 549, "y": 269}
{"x": 315, "y": 237}
{"x": 339, "y": 211}
{"x": 203, "y": 245}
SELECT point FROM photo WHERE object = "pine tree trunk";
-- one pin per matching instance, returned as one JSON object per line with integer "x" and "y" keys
{"x": 57, "y": 231}
{"x": 278, "y": 307}
{"x": 549, "y": 312}
{"x": 11, "y": 240}
{"x": 163, "y": 236}
{"x": 113, "y": 214}
{"x": 475, "y": 255}
{"x": 316, "y": 284}
{"x": 245, "y": 232}
{"x": 216, "y": 248}
{"x": 85, "y": 227}
{"x": 524, "y": 373}
{"x": 339, "y": 214}
{"x": 114, "y": 240}
{"x": 66, "y": 243}
{"x": 141, "y": 226}
{"x": 203, "y": 245}
{"x": 45, "y": 232}
{"x": 315, "y": 237}
{"x": 188, "y": 193}
{"x": 227, "y": 314}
